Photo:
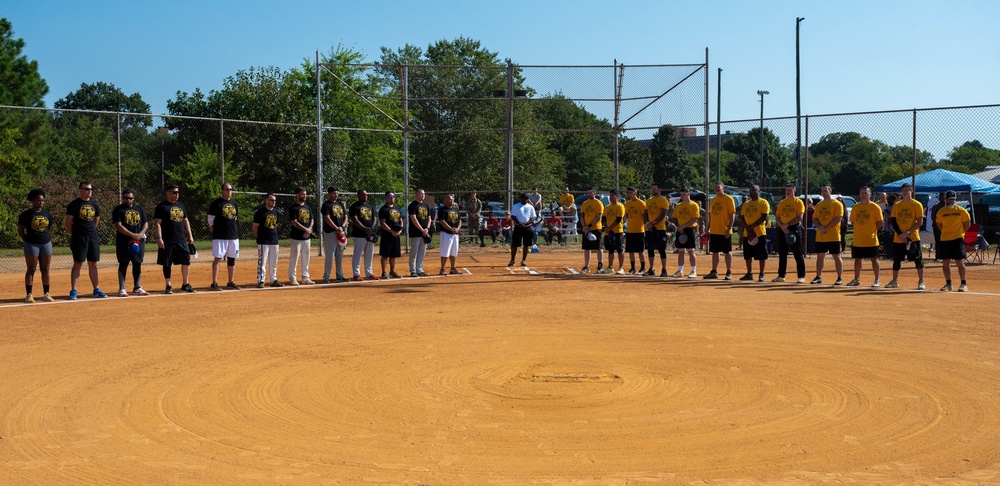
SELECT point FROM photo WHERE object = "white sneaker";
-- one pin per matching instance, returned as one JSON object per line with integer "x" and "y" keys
{"x": 853, "y": 283}
{"x": 693, "y": 275}
{"x": 876, "y": 284}
{"x": 778, "y": 279}
{"x": 946, "y": 288}
{"x": 893, "y": 284}
{"x": 963, "y": 288}
{"x": 921, "y": 286}
{"x": 621, "y": 271}
{"x": 801, "y": 280}
{"x": 122, "y": 293}
{"x": 676, "y": 274}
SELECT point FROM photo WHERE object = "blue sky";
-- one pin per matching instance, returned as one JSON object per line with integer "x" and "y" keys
{"x": 856, "y": 55}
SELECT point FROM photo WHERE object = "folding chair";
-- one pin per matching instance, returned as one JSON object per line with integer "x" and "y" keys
{"x": 972, "y": 251}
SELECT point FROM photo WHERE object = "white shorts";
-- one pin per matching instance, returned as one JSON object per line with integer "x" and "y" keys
{"x": 225, "y": 248}
{"x": 449, "y": 245}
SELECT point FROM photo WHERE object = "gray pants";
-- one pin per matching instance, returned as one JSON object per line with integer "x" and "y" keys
{"x": 417, "y": 251}
{"x": 332, "y": 250}
{"x": 362, "y": 247}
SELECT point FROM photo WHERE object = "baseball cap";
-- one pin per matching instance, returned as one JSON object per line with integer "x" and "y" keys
{"x": 332, "y": 189}
{"x": 950, "y": 195}
{"x": 524, "y": 195}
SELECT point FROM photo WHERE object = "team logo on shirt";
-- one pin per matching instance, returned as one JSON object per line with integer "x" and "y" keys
{"x": 39, "y": 224}
{"x": 905, "y": 214}
{"x": 271, "y": 221}
{"x": 132, "y": 217}
{"x": 863, "y": 216}
{"x": 366, "y": 213}
{"x": 422, "y": 212}
{"x": 684, "y": 214}
{"x": 337, "y": 211}
{"x": 229, "y": 211}
{"x": 452, "y": 217}
{"x": 825, "y": 214}
{"x": 717, "y": 208}
{"x": 752, "y": 212}
{"x": 304, "y": 217}
{"x": 176, "y": 214}
{"x": 394, "y": 215}
{"x": 87, "y": 212}
{"x": 788, "y": 211}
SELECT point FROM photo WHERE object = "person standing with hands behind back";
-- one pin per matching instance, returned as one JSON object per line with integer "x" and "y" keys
{"x": 954, "y": 222}
{"x": 451, "y": 225}
{"x": 301, "y": 216}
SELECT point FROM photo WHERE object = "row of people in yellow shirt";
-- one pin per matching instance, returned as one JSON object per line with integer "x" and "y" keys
{"x": 638, "y": 218}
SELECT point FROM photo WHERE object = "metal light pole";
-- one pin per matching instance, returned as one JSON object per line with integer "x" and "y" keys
{"x": 798, "y": 108}
{"x": 718, "y": 126}
{"x": 762, "y": 93}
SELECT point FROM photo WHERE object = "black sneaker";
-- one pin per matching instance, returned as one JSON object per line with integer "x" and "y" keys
{"x": 760, "y": 278}
{"x": 214, "y": 287}
{"x": 663, "y": 273}
{"x": 713, "y": 275}
{"x": 187, "y": 288}
{"x": 747, "y": 278}
{"x": 277, "y": 284}
{"x": 394, "y": 275}
{"x": 729, "y": 276}
{"x": 650, "y": 273}
{"x": 168, "y": 290}
{"x": 232, "y": 286}
{"x": 510, "y": 263}
{"x": 817, "y": 280}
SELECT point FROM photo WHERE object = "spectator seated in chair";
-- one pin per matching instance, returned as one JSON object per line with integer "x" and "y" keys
{"x": 553, "y": 229}
{"x": 491, "y": 228}
{"x": 505, "y": 227}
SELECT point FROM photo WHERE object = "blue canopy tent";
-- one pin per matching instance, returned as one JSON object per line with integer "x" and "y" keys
{"x": 940, "y": 180}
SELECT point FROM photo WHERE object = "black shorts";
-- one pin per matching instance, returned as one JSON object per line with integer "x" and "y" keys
{"x": 656, "y": 240}
{"x": 388, "y": 246}
{"x": 952, "y": 249}
{"x": 635, "y": 242}
{"x": 594, "y": 244}
{"x": 720, "y": 244}
{"x": 521, "y": 237}
{"x": 174, "y": 254}
{"x": 899, "y": 253}
{"x": 831, "y": 247}
{"x": 755, "y": 252}
{"x": 85, "y": 248}
{"x": 121, "y": 251}
{"x": 864, "y": 252}
{"x": 613, "y": 243}
{"x": 691, "y": 240}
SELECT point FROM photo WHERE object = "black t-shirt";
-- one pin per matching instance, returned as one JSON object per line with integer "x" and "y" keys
{"x": 172, "y": 217}
{"x": 449, "y": 215}
{"x": 336, "y": 211}
{"x": 304, "y": 215}
{"x": 392, "y": 218}
{"x": 226, "y": 214}
{"x": 267, "y": 229}
{"x": 36, "y": 226}
{"x": 423, "y": 213}
{"x": 85, "y": 214}
{"x": 132, "y": 218}
{"x": 365, "y": 214}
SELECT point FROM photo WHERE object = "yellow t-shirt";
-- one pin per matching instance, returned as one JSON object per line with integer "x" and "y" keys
{"x": 788, "y": 209}
{"x": 722, "y": 209}
{"x": 951, "y": 221}
{"x": 592, "y": 208}
{"x": 684, "y": 211}
{"x": 824, "y": 213}
{"x": 566, "y": 200}
{"x": 633, "y": 213}
{"x": 867, "y": 219}
{"x": 612, "y": 212}
{"x": 752, "y": 211}
{"x": 653, "y": 206}
{"x": 906, "y": 213}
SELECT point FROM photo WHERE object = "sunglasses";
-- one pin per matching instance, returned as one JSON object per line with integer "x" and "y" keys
{"x": 128, "y": 198}
{"x": 173, "y": 192}
{"x": 86, "y": 188}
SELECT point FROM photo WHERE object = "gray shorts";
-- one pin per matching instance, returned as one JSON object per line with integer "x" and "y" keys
{"x": 36, "y": 250}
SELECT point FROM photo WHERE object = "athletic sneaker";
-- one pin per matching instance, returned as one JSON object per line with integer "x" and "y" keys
{"x": 260, "y": 285}
{"x": 371, "y": 277}
{"x": 650, "y": 273}
{"x": 621, "y": 271}
{"x": 817, "y": 280}
{"x": 693, "y": 275}
{"x": 47, "y": 298}
{"x": 876, "y": 284}
{"x": 778, "y": 279}
{"x": 713, "y": 275}
{"x": 747, "y": 278}
{"x": 893, "y": 284}
{"x": 442, "y": 272}
{"x": 293, "y": 282}
{"x": 510, "y": 263}
{"x": 122, "y": 293}
{"x": 729, "y": 276}
{"x": 422, "y": 274}
{"x": 946, "y": 288}
{"x": 585, "y": 270}
{"x": 28, "y": 299}
{"x": 599, "y": 267}
{"x": 232, "y": 286}
{"x": 357, "y": 278}
{"x": 306, "y": 281}
{"x": 963, "y": 288}
{"x": 188, "y": 288}
{"x": 631, "y": 271}
{"x": 839, "y": 281}
{"x": 663, "y": 273}
{"x": 801, "y": 280}
{"x": 604, "y": 271}
{"x": 277, "y": 284}
{"x": 72, "y": 295}
{"x": 385, "y": 276}
{"x": 921, "y": 286}
{"x": 326, "y": 280}
{"x": 99, "y": 295}
{"x": 168, "y": 290}
{"x": 524, "y": 263}
{"x": 394, "y": 275}
{"x": 215, "y": 287}
{"x": 853, "y": 283}
{"x": 140, "y": 292}
{"x": 453, "y": 271}
{"x": 760, "y": 279}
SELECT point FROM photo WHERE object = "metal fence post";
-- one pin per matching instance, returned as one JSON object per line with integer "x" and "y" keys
{"x": 118, "y": 143}
{"x": 222, "y": 151}
{"x": 510, "y": 134}
{"x": 319, "y": 151}
{"x": 913, "y": 176}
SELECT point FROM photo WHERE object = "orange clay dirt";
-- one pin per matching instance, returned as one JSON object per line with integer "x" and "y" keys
{"x": 502, "y": 376}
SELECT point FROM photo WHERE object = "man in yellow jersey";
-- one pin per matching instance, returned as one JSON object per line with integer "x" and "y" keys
{"x": 954, "y": 222}
{"x": 685, "y": 216}
{"x": 614, "y": 215}
{"x": 866, "y": 217}
{"x": 635, "y": 231}
{"x": 789, "y": 212}
{"x": 565, "y": 201}
{"x": 656, "y": 229}
{"x": 722, "y": 216}
{"x": 590, "y": 217}
{"x": 827, "y": 218}
{"x": 753, "y": 217}
{"x": 906, "y": 219}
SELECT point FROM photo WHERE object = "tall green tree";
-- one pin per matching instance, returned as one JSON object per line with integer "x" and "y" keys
{"x": 778, "y": 168}
{"x": 584, "y": 152}
{"x": 671, "y": 167}
{"x": 971, "y": 157}
{"x": 102, "y": 96}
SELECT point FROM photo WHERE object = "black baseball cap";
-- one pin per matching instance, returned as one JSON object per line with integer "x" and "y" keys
{"x": 950, "y": 195}
{"x": 332, "y": 189}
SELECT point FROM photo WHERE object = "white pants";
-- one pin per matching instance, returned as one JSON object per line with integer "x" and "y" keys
{"x": 332, "y": 250}
{"x": 267, "y": 262}
{"x": 299, "y": 248}
{"x": 225, "y": 248}
{"x": 449, "y": 245}
{"x": 362, "y": 247}
{"x": 418, "y": 249}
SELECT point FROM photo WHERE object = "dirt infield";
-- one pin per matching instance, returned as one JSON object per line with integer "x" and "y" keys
{"x": 501, "y": 376}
